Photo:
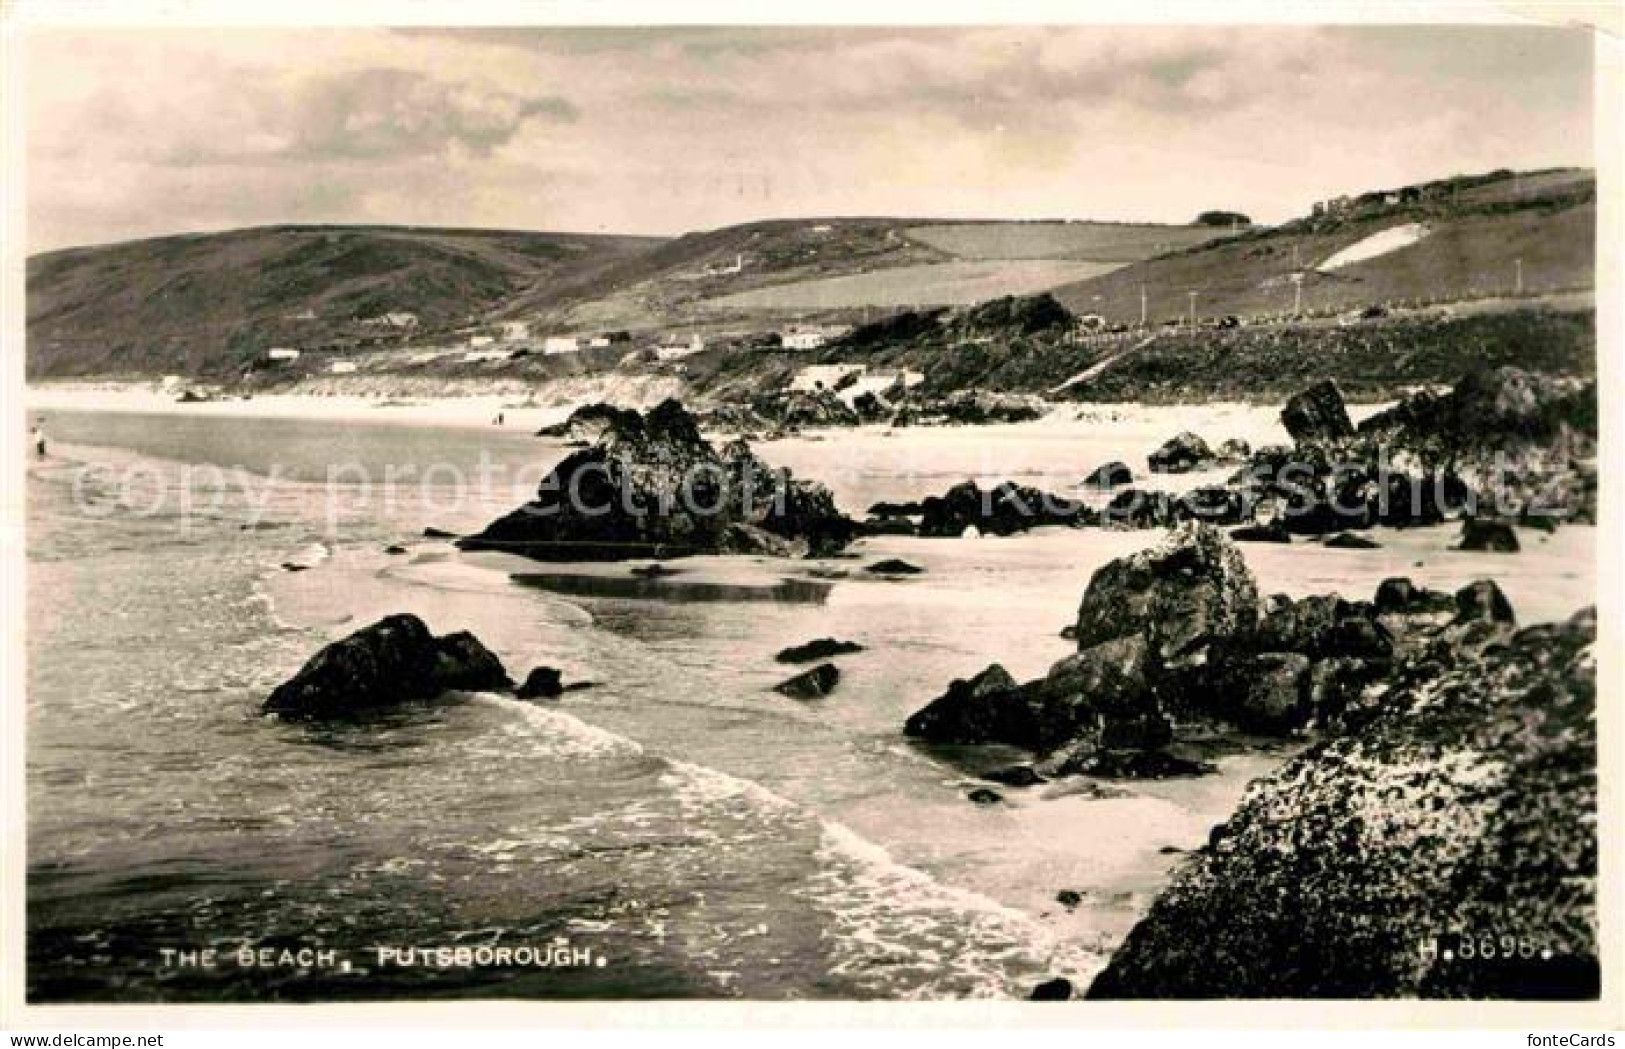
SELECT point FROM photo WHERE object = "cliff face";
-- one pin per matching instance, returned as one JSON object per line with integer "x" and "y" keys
{"x": 1447, "y": 848}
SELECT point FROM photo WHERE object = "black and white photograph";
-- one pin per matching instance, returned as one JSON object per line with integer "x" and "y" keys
{"x": 1071, "y": 511}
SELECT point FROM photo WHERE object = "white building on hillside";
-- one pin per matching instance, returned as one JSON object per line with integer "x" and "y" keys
{"x": 476, "y": 341}
{"x": 342, "y": 367}
{"x": 282, "y": 353}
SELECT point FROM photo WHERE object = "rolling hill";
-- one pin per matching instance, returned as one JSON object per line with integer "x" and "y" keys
{"x": 1477, "y": 238}
{"x": 207, "y": 304}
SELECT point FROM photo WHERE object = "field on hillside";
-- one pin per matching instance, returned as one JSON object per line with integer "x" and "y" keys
{"x": 1088, "y": 241}
{"x": 936, "y": 284}
{"x": 1462, "y": 257}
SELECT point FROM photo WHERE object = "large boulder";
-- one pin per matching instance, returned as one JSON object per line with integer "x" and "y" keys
{"x": 393, "y": 662}
{"x": 653, "y": 487}
{"x": 1447, "y": 849}
{"x": 1134, "y": 508}
{"x": 1317, "y": 415}
{"x": 1190, "y": 589}
{"x": 1488, "y": 536}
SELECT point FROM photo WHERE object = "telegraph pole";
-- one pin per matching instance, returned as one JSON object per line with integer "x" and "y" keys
{"x": 1142, "y": 306}
{"x": 1517, "y": 270}
{"x": 1297, "y": 294}
{"x": 1192, "y": 294}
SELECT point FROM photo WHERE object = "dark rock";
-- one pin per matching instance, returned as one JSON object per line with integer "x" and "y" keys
{"x": 1399, "y": 594}
{"x": 1004, "y": 509}
{"x": 1057, "y": 990}
{"x": 893, "y": 566}
{"x": 822, "y": 648}
{"x": 1137, "y": 508}
{"x": 1317, "y": 415}
{"x": 889, "y": 526}
{"x": 438, "y": 533}
{"x": 896, "y": 510}
{"x": 795, "y": 409}
{"x": 1014, "y": 776}
{"x": 294, "y": 566}
{"x": 1147, "y": 731}
{"x": 1271, "y": 532}
{"x": 1483, "y": 601}
{"x": 1323, "y": 625}
{"x": 1213, "y": 504}
{"x": 1069, "y": 898}
{"x": 1189, "y": 589}
{"x": 1181, "y": 454}
{"x": 541, "y": 683}
{"x": 462, "y": 663}
{"x": 984, "y": 796}
{"x": 1481, "y": 535}
{"x": 983, "y": 709}
{"x": 1138, "y": 764}
{"x": 392, "y": 662}
{"x": 654, "y": 571}
{"x": 1350, "y": 541}
{"x": 394, "y": 548}
{"x": 1275, "y": 693}
{"x": 653, "y": 487}
{"x": 1468, "y": 802}
{"x": 1110, "y": 475}
{"x": 811, "y": 684}
{"x": 1235, "y": 450}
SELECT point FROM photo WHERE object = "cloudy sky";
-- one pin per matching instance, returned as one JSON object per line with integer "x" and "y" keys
{"x": 141, "y": 132}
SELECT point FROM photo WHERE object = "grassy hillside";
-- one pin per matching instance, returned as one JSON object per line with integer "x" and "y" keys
{"x": 1088, "y": 241}
{"x": 1475, "y": 237}
{"x": 1026, "y": 346}
{"x": 207, "y": 304}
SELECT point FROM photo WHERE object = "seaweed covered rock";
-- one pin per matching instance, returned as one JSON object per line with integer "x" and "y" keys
{"x": 1466, "y": 806}
{"x": 393, "y": 662}
{"x": 653, "y": 487}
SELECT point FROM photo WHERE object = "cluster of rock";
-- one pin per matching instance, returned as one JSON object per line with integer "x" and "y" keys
{"x": 1178, "y": 636}
{"x": 652, "y": 486}
{"x": 1502, "y": 444}
{"x": 397, "y": 662}
{"x": 589, "y": 422}
{"x": 1446, "y": 849}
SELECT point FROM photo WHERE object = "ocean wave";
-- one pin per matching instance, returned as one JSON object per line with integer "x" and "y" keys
{"x": 564, "y": 735}
{"x": 896, "y": 930}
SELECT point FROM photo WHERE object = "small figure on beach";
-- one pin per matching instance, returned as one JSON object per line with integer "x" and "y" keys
{"x": 37, "y": 435}
{"x": 499, "y": 419}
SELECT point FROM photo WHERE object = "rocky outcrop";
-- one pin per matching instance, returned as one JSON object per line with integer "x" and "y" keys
{"x": 589, "y": 422}
{"x": 1144, "y": 620}
{"x": 1004, "y": 509}
{"x": 1317, "y": 415}
{"x": 803, "y": 409}
{"x": 1446, "y": 849}
{"x": 893, "y": 566}
{"x": 393, "y": 662}
{"x": 653, "y": 487}
{"x": 1181, "y": 454}
{"x": 1480, "y": 535}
